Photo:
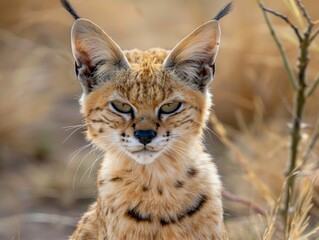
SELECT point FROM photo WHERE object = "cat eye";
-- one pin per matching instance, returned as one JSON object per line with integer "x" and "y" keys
{"x": 122, "y": 107}
{"x": 170, "y": 107}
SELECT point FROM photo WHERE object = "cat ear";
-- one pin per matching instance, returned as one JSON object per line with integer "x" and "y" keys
{"x": 97, "y": 56}
{"x": 193, "y": 59}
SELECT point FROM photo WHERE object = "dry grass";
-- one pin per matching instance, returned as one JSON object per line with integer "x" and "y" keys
{"x": 261, "y": 152}
{"x": 33, "y": 84}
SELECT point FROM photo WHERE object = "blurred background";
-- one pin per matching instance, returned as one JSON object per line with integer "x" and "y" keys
{"x": 47, "y": 173}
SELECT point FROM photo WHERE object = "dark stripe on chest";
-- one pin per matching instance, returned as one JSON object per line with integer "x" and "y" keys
{"x": 187, "y": 213}
{"x": 137, "y": 216}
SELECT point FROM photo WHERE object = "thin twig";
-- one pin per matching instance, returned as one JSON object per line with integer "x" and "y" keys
{"x": 235, "y": 198}
{"x": 312, "y": 143}
{"x": 304, "y": 12}
{"x": 280, "y": 47}
{"x": 314, "y": 35}
{"x": 312, "y": 87}
{"x": 285, "y": 18}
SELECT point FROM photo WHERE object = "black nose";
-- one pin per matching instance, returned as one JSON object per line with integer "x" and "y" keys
{"x": 145, "y": 136}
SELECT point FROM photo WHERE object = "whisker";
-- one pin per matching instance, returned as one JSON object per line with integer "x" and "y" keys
{"x": 182, "y": 156}
{"x": 172, "y": 153}
{"x": 205, "y": 127}
{"x": 114, "y": 156}
{"x": 78, "y": 167}
{"x": 74, "y": 131}
{"x": 122, "y": 153}
{"x": 67, "y": 128}
{"x": 90, "y": 168}
{"x": 75, "y": 153}
{"x": 98, "y": 158}
{"x": 179, "y": 150}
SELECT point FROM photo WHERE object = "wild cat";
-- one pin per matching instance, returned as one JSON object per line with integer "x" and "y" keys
{"x": 146, "y": 110}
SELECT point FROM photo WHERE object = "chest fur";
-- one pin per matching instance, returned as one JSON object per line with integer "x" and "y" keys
{"x": 184, "y": 203}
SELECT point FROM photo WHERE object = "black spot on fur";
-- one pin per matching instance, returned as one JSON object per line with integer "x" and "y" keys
{"x": 179, "y": 184}
{"x": 191, "y": 172}
{"x": 137, "y": 216}
{"x": 160, "y": 190}
{"x": 97, "y": 120}
{"x": 115, "y": 179}
{"x": 164, "y": 222}
{"x": 145, "y": 188}
{"x": 101, "y": 182}
{"x": 187, "y": 213}
{"x": 194, "y": 209}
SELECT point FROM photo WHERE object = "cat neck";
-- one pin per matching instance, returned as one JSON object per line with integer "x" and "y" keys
{"x": 169, "y": 165}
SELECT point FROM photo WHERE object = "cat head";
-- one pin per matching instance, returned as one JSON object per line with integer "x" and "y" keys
{"x": 144, "y": 103}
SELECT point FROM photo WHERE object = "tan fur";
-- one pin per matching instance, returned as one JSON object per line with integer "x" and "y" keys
{"x": 171, "y": 192}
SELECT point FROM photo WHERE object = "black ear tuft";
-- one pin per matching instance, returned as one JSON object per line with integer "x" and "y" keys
{"x": 224, "y": 11}
{"x": 66, "y": 4}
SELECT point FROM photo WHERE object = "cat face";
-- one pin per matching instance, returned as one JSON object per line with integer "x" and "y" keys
{"x": 143, "y": 104}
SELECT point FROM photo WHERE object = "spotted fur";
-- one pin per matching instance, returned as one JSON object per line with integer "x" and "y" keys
{"x": 167, "y": 188}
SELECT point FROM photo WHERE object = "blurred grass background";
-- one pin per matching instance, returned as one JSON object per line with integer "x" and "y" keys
{"x": 40, "y": 173}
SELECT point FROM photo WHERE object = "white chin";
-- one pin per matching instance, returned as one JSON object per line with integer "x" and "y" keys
{"x": 145, "y": 156}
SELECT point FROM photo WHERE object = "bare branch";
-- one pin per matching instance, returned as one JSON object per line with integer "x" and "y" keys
{"x": 312, "y": 87}
{"x": 285, "y": 18}
{"x": 232, "y": 197}
{"x": 314, "y": 35}
{"x": 302, "y": 91}
{"x": 280, "y": 47}
{"x": 304, "y": 12}
{"x": 312, "y": 143}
